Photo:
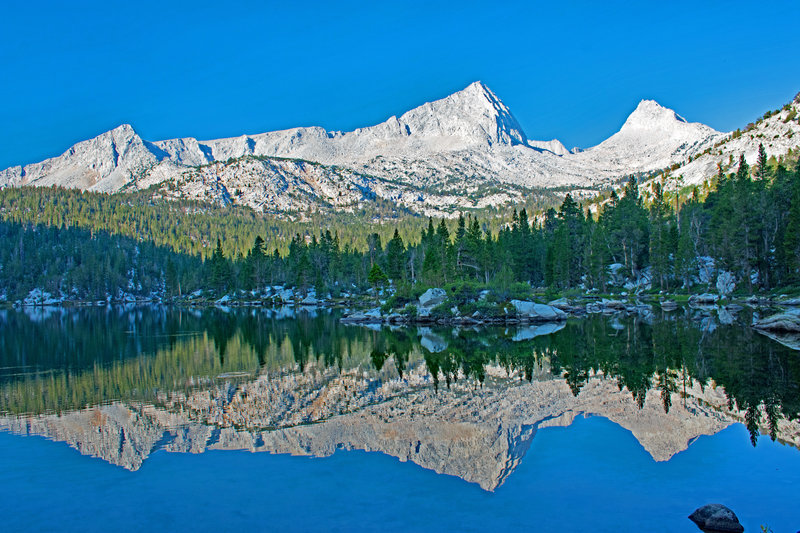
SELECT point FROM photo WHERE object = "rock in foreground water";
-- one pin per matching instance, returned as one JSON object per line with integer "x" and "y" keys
{"x": 787, "y": 322}
{"x": 715, "y": 517}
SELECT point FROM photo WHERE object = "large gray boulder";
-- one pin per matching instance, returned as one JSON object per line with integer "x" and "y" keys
{"x": 617, "y": 305}
{"x": 785, "y": 322}
{"x": 534, "y": 311}
{"x": 703, "y": 299}
{"x": 286, "y": 295}
{"x": 432, "y": 297}
{"x": 561, "y": 303}
{"x": 725, "y": 283}
{"x": 717, "y": 518}
{"x": 371, "y": 316}
{"x": 309, "y": 301}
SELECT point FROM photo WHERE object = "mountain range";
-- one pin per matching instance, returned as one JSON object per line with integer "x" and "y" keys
{"x": 463, "y": 151}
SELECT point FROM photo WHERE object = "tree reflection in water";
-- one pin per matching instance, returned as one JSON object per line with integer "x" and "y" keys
{"x": 60, "y": 360}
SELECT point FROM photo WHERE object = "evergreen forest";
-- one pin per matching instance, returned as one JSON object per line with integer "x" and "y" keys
{"x": 84, "y": 245}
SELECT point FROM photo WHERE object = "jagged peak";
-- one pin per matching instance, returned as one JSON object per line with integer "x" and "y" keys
{"x": 478, "y": 94}
{"x": 650, "y": 114}
{"x": 124, "y": 128}
{"x": 124, "y": 131}
{"x": 478, "y": 87}
{"x": 473, "y": 112}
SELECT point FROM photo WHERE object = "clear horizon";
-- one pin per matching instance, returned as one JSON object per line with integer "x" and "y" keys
{"x": 572, "y": 72}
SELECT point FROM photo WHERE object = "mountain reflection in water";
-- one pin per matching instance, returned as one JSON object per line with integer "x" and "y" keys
{"x": 120, "y": 383}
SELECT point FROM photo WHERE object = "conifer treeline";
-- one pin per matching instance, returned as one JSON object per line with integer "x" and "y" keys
{"x": 186, "y": 226}
{"x": 750, "y": 226}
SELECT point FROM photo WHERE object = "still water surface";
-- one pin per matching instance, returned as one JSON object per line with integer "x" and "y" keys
{"x": 489, "y": 425}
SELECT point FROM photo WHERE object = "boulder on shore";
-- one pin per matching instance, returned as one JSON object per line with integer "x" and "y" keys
{"x": 561, "y": 303}
{"x": 371, "y": 316}
{"x": 309, "y": 301}
{"x": 536, "y": 311}
{"x": 432, "y": 297}
{"x": 617, "y": 305}
{"x": 716, "y": 517}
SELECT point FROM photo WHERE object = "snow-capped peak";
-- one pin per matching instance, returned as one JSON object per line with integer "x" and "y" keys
{"x": 653, "y": 137}
{"x": 473, "y": 114}
{"x": 457, "y": 146}
{"x": 649, "y": 114}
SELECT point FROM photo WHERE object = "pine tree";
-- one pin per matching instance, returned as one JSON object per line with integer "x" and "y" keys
{"x": 395, "y": 258}
{"x": 661, "y": 239}
{"x": 377, "y": 277}
{"x": 220, "y": 270}
{"x": 791, "y": 241}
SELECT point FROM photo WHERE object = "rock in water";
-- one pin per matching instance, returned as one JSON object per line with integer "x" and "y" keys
{"x": 785, "y": 322}
{"x": 715, "y": 517}
{"x": 539, "y": 312}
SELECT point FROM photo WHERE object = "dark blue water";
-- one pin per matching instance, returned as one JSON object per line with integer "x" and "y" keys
{"x": 591, "y": 476}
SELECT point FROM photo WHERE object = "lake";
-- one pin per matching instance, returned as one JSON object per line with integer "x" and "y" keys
{"x": 153, "y": 418}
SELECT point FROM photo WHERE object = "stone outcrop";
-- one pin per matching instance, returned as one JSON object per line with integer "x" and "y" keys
{"x": 538, "y": 312}
{"x": 703, "y": 299}
{"x": 432, "y": 298}
{"x": 470, "y": 135}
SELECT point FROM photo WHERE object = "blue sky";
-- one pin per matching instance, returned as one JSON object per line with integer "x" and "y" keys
{"x": 570, "y": 70}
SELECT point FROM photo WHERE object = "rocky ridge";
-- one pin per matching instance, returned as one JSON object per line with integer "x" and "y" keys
{"x": 464, "y": 150}
{"x": 779, "y": 133}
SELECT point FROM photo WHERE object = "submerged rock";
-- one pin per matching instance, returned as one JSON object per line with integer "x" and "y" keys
{"x": 715, "y": 517}
{"x": 371, "y": 316}
{"x": 669, "y": 305}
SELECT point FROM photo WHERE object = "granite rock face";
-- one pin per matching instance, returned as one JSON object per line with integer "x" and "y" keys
{"x": 467, "y": 144}
{"x": 432, "y": 297}
{"x": 538, "y": 312}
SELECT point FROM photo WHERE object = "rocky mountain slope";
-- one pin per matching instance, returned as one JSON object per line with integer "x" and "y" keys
{"x": 652, "y": 137}
{"x": 778, "y": 131}
{"x": 465, "y": 150}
